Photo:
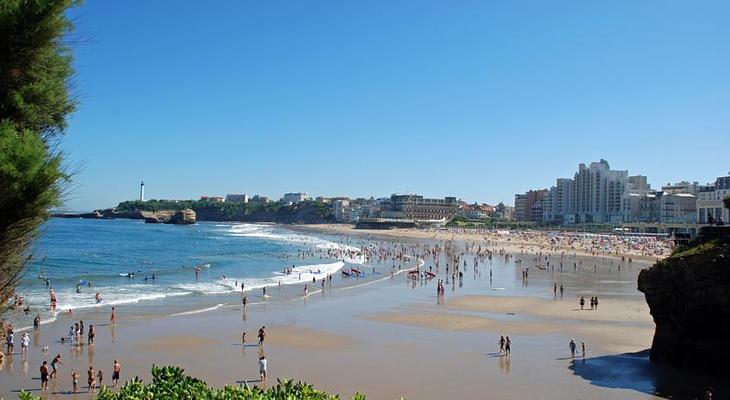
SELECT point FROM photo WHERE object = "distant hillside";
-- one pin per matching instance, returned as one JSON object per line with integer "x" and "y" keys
{"x": 306, "y": 212}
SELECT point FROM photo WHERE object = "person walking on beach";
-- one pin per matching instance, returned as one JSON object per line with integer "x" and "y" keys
{"x": 583, "y": 348}
{"x": 91, "y": 379}
{"x": 262, "y": 335}
{"x": 572, "y": 348}
{"x": 92, "y": 333}
{"x": 37, "y": 322}
{"x": 71, "y": 334}
{"x": 582, "y": 302}
{"x": 501, "y": 345}
{"x": 115, "y": 373}
{"x": 54, "y": 363}
{"x": 561, "y": 290}
{"x": 44, "y": 376}
{"x": 595, "y": 301}
{"x": 507, "y": 346}
{"x": 114, "y": 316}
{"x": 245, "y": 301}
{"x": 262, "y": 368}
{"x": 10, "y": 341}
{"x": 24, "y": 343}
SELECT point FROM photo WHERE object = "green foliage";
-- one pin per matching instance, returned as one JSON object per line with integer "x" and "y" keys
{"x": 156, "y": 205}
{"x": 35, "y": 65}
{"x": 692, "y": 249}
{"x": 35, "y": 69}
{"x": 172, "y": 383}
{"x": 32, "y": 182}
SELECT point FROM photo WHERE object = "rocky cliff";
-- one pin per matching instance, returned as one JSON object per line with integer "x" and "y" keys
{"x": 689, "y": 298}
{"x": 180, "y": 217}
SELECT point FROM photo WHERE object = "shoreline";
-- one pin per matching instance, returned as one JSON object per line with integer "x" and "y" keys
{"x": 391, "y": 336}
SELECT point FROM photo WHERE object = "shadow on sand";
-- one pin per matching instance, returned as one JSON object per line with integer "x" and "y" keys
{"x": 634, "y": 371}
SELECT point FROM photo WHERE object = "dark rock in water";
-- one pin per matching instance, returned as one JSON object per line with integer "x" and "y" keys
{"x": 151, "y": 220}
{"x": 689, "y": 297}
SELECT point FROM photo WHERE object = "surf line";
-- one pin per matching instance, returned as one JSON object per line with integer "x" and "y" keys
{"x": 202, "y": 310}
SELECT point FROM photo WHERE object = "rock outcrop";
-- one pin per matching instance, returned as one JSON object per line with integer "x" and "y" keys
{"x": 183, "y": 217}
{"x": 689, "y": 298}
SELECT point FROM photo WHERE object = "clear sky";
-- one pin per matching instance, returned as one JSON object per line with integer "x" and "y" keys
{"x": 474, "y": 99}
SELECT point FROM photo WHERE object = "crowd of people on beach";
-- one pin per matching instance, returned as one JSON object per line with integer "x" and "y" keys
{"x": 442, "y": 261}
{"x": 586, "y": 243}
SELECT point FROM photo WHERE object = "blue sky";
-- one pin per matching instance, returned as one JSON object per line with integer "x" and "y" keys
{"x": 474, "y": 99}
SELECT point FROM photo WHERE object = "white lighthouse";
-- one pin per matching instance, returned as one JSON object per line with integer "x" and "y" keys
{"x": 141, "y": 191}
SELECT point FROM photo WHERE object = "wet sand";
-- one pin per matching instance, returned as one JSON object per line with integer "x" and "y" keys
{"x": 394, "y": 338}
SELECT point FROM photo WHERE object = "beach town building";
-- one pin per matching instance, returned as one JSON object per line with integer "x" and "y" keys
{"x": 503, "y": 212}
{"x": 598, "y": 192}
{"x": 595, "y": 194}
{"x": 474, "y": 211}
{"x": 341, "y": 209}
{"x": 677, "y": 203}
{"x": 416, "y": 207}
{"x": 710, "y": 207}
{"x": 213, "y": 199}
{"x": 293, "y": 198}
{"x": 559, "y": 204}
{"x": 639, "y": 202}
{"x": 526, "y": 208}
{"x": 237, "y": 198}
{"x": 677, "y": 208}
{"x": 640, "y": 206}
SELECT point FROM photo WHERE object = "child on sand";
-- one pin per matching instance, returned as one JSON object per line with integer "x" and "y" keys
{"x": 262, "y": 335}
{"x": 75, "y": 380}
{"x": 262, "y": 368}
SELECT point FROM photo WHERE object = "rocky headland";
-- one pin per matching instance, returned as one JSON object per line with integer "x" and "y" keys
{"x": 688, "y": 295}
{"x": 177, "y": 217}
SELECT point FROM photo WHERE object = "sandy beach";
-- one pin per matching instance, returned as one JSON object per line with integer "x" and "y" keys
{"x": 393, "y": 336}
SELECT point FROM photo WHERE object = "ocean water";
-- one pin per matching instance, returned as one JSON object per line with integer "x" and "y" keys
{"x": 119, "y": 257}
